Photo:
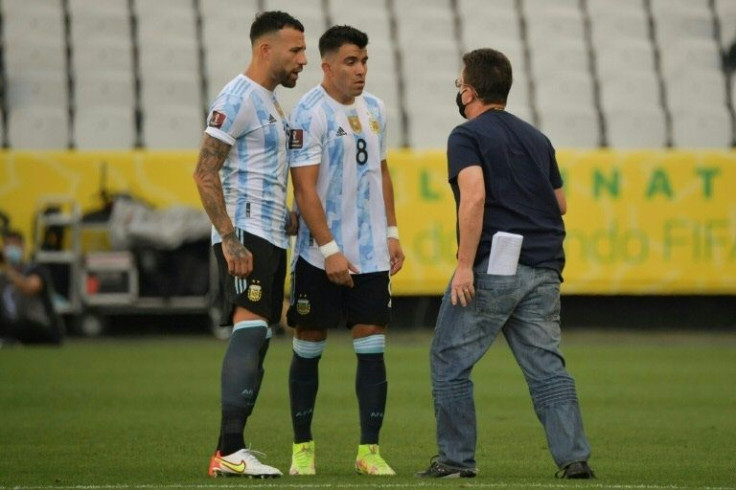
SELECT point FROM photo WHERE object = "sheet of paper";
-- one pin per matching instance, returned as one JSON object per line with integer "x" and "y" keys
{"x": 505, "y": 251}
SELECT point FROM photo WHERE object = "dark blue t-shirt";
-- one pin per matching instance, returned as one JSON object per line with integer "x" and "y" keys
{"x": 521, "y": 174}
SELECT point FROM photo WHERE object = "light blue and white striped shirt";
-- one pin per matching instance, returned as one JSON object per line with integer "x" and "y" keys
{"x": 349, "y": 143}
{"x": 255, "y": 175}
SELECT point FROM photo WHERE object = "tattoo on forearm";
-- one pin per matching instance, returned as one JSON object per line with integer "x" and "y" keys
{"x": 212, "y": 155}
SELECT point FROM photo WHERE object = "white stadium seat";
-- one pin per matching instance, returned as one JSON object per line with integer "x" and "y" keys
{"x": 570, "y": 126}
{"x": 631, "y": 126}
{"x": 104, "y": 128}
{"x": 173, "y": 127}
{"x": 701, "y": 127}
{"x": 38, "y": 128}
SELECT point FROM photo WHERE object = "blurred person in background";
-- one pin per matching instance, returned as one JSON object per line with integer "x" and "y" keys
{"x": 242, "y": 175}
{"x": 504, "y": 176}
{"x": 347, "y": 246}
{"x": 27, "y": 313}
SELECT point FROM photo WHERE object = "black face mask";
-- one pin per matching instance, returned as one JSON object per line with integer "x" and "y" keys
{"x": 460, "y": 105}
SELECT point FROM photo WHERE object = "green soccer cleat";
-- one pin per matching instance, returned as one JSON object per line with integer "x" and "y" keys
{"x": 302, "y": 459}
{"x": 370, "y": 462}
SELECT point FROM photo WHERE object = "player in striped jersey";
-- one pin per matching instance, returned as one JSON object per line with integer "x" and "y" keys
{"x": 347, "y": 245}
{"x": 241, "y": 176}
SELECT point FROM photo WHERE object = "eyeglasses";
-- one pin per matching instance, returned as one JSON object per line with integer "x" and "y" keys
{"x": 458, "y": 83}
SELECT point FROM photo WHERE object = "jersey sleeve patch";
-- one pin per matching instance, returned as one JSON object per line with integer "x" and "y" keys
{"x": 217, "y": 119}
{"x": 296, "y": 139}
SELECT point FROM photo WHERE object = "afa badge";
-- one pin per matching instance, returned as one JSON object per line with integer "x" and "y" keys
{"x": 255, "y": 292}
{"x": 355, "y": 124}
{"x": 303, "y": 307}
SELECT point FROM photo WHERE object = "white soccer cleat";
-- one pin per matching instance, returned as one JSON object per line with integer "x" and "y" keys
{"x": 241, "y": 463}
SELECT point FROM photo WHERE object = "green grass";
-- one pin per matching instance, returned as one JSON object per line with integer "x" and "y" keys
{"x": 659, "y": 409}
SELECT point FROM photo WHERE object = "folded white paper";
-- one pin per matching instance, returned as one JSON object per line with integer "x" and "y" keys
{"x": 505, "y": 251}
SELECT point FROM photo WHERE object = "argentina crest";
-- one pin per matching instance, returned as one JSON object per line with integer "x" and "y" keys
{"x": 255, "y": 291}
{"x": 302, "y": 305}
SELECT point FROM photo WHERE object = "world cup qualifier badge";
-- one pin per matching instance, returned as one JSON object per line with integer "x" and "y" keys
{"x": 302, "y": 305}
{"x": 255, "y": 292}
{"x": 296, "y": 139}
{"x": 217, "y": 119}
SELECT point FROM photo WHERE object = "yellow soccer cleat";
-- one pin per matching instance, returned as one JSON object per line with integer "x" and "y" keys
{"x": 370, "y": 462}
{"x": 302, "y": 459}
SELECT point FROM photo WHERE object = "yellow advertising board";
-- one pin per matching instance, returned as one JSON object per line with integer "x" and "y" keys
{"x": 640, "y": 222}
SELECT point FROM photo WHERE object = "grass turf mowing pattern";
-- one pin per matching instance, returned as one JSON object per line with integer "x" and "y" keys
{"x": 658, "y": 409}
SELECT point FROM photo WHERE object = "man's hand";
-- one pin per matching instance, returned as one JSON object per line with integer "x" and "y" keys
{"x": 396, "y": 255}
{"x": 239, "y": 259}
{"x": 292, "y": 223}
{"x": 462, "y": 286}
{"x": 338, "y": 269}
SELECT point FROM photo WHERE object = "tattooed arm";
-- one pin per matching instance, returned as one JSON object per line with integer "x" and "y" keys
{"x": 212, "y": 156}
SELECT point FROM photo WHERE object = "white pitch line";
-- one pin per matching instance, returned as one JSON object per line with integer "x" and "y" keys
{"x": 466, "y": 484}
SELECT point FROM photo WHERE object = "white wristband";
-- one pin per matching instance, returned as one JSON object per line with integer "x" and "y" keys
{"x": 392, "y": 232}
{"x": 329, "y": 248}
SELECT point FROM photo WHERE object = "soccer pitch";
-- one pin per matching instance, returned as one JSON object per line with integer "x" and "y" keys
{"x": 659, "y": 409}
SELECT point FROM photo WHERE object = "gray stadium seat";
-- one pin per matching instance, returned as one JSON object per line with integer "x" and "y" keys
{"x": 701, "y": 127}
{"x": 104, "y": 128}
{"x": 173, "y": 127}
{"x": 34, "y": 127}
{"x": 571, "y": 126}
{"x": 631, "y": 126}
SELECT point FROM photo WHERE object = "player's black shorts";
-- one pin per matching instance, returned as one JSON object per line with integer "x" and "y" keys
{"x": 316, "y": 302}
{"x": 262, "y": 292}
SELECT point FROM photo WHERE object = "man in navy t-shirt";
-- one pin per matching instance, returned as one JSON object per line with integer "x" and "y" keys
{"x": 504, "y": 177}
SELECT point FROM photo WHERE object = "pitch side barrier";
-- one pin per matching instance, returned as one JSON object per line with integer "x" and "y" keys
{"x": 653, "y": 222}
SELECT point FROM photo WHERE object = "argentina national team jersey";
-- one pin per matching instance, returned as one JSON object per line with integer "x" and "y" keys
{"x": 348, "y": 142}
{"x": 254, "y": 177}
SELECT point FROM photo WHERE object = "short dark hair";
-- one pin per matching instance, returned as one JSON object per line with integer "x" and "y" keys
{"x": 272, "y": 21}
{"x": 489, "y": 72}
{"x": 334, "y": 37}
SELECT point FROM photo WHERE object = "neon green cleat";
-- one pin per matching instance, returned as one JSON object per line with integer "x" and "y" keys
{"x": 370, "y": 462}
{"x": 302, "y": 459}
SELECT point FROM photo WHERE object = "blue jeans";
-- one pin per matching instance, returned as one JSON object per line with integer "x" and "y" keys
{"x": 526, "y": 307}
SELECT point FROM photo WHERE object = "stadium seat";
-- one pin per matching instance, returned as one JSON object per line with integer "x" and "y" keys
{"x": 35, "y": 127}
{"x": 726, "y": 12}
{"x": 173, "y": 127}
{"x": 631, "y": 126}
{"x": 102, "y": 57}
{"x": 568, "y": 57}
{"x": 570, "y": 126}
{"x": 117, "y": 8}
{"x": 623, "y": 89}
{"x": 104, "y": 128}
{"x": 683, "y": 57}
{"x": 105, "y": 89}
{"x": 39, "y": 55}
{"x": 565, "y": 89}
{"x": 701, "y": 127}
{"x": 370, "y": 17}
{"x": 675, "y": 25}
{"x": 704, "y": 89}
{"x": 609, "y": 29}
{"x": 23, "y": 26}
{"x": 479, "y": 31}
{"x": 542, "y": 8}
{"x": 173, "y": 55}
{"x": 629, "y": 56}
{"x": 171, "y": 88}
{"x": 604, "y": 8}
{"x": 553, "y": 26}
{"x": 36, "y": 88}
{"x": 93, "y": 26}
